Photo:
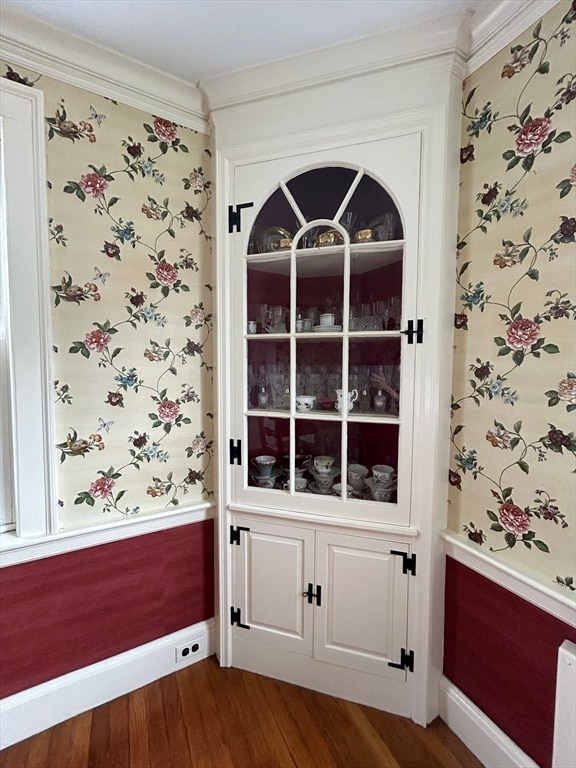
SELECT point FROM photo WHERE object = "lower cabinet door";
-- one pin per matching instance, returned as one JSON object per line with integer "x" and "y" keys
{"x": 272, "y": 567}
{"x": 362, "y": 621}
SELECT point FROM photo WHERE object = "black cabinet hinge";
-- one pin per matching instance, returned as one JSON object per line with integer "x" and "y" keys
{"x": 406, "y": 661}
{"x": 408, "y": 561}
{"x": 236, "y": 618}
{"x": 236, "y": 452}
{"x": 418, "y": 331}
{"x": 234, "y": 216}
{"x": 235, "y": 533}
{"x": 310, "y": 594}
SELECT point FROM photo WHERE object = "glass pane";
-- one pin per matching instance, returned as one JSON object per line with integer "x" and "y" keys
{"x": 268, "y": 441}
{"x": 375, "y": 289}
{"x": 373, "y": 461}
{"x": 319, "y": 290}
{"x": 275, "y": 225}
{"x": 268, "y": 374}
{"x": 321, "y": 441}
{"x": 371, "y": 214}
{"x": 319, "y": 193}
{"x": 269, "y": 294}
{"x": 374, "y": 373}
{"x": 318, "y": 372}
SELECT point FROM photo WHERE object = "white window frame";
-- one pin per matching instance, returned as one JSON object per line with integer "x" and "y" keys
{"x": 27, "y": 428}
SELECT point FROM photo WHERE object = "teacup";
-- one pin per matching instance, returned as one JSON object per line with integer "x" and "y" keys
{"x": 327, "y": 319}
{"x": 300, "y": 459}
{"x": 300, "y": 484}
{"x": 357, "y": 475}
{"x": 324, "y": 483}
{"x": 383, "y": 474}
{"x": 264, "y": 481}
{"x": 305, "y": 402}
{"x": 379, "y": 492}
{"x": 337, "y": 488}
{"x": 264, "y": 464}
{"x": 323, "y": 464}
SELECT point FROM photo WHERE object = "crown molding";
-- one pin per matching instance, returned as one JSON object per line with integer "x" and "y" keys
{"x": 48, "y": 51}
{"x": 446, "y": 37}
{"x": 498, "y": 23}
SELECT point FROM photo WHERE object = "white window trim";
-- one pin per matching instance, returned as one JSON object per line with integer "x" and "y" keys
{"x": 26, "y": 240}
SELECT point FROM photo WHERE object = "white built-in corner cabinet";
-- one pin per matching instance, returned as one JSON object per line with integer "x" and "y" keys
{"x": 337, "y": 182}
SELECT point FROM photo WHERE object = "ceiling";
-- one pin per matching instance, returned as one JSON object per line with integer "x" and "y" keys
{"x": 198, "y": 39}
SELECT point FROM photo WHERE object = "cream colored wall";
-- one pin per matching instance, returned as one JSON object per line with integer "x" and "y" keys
{"x": 514, "y": 385}
{"x": 131, "y": 272}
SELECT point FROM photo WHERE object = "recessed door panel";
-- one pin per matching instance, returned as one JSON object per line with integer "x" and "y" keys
{"x": 273, "y": 566}
{"x": 362, "y": 622}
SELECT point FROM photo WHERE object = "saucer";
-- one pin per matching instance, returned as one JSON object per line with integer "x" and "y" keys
{"x": 327, "y": 328}
{"x": 314, "y": 488}
{"x": 332, "y": 472}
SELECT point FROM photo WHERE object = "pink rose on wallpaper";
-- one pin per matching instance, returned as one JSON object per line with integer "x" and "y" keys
{"x": 101, "y": 488}
{"x": 164, "y": 130}
{"x": 198, "y": 445}
{"x": 532, "y": 135}
{"x": 197, "y": 317}
{"x": 93, "y": 184}
{"x": 168, "y": 411}
{"x": 567, "y": 391}
{"x": 166, "y": 274}
{"x": 97, "y": 340}
{"x": 521, "y": 334}
{"x": 514, "y": 519}
{"x": 508, "y": 257}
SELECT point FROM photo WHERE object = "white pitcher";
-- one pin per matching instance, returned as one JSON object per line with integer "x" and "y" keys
{"x": 352, "y": 397}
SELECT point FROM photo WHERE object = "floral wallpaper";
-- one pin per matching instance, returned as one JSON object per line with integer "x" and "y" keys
{"x": 130, "y": 260}
{"x": 514, "y": 388}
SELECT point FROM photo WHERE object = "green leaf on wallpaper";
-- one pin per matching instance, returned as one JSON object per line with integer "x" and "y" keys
{"x": 510, "y": 539}
{"x": 112, "y": 201}
{"x": 120, "y": 496}
{"x": 551, "y": 349}
{"x": 541, "y": 545}
{"x": 527, "y": 235}
{"x": 518, "y": 427}
{"x": 515, "y": 309}
{"x": 528, "y": 162}
{"x": 509, "y": 154}
{"x": 565, "y": 186}
{"x": 506, "y": 493}
{"x": 525, "y": 114}
{"x": 513, "y": 163}
{"x": 492, "y": 515}
{"x": 518, "y": 357}
{"x": 562, "y": 137}
{"x": 499, "y": 341}
{"x": 458, "y": 428}
{"x": 523, "y": 466}
{"x": 536, "y": 30}
{"x": 504, "y": 351}
{"x": 496, "y": 527}
{"x": 523, "y": 253}
{"x": 470, "y": 97}
{"x": 544, "y": 68}
{"x": 533, "y": 274}
{"x": 171, "y": 232}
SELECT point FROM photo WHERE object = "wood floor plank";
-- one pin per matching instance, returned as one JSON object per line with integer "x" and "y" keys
{"x": 138, "y": 730}
{"x": 70, "y": 742}
{"x": 119, "y": 733}
{"x": 205, "y": 716}
{"x": 306, "y": 743}
{"x": 206, "y": 731}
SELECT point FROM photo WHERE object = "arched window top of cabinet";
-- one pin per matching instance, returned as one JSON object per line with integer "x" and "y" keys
{"x": 350, "y": 196}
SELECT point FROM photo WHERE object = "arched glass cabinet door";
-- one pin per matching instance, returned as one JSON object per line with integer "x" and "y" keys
{"x": 324, "y": 352}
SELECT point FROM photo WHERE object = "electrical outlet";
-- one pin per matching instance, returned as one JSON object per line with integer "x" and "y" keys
{"x": 195, "y": 647}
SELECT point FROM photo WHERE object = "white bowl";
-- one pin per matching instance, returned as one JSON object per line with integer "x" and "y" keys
{"x": 305, "y": 402}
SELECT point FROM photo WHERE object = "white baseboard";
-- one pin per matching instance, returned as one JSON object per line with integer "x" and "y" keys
{"x": 489, "y": 743}
{"x": 35, "y": 709}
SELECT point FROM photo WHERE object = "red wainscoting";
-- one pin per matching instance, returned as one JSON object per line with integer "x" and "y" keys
{"x": 501, "y": 652}
{"x": 65, "y": 612}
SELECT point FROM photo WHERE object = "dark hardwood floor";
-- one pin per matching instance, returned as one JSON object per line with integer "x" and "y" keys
{"x": 207, "y": 717}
